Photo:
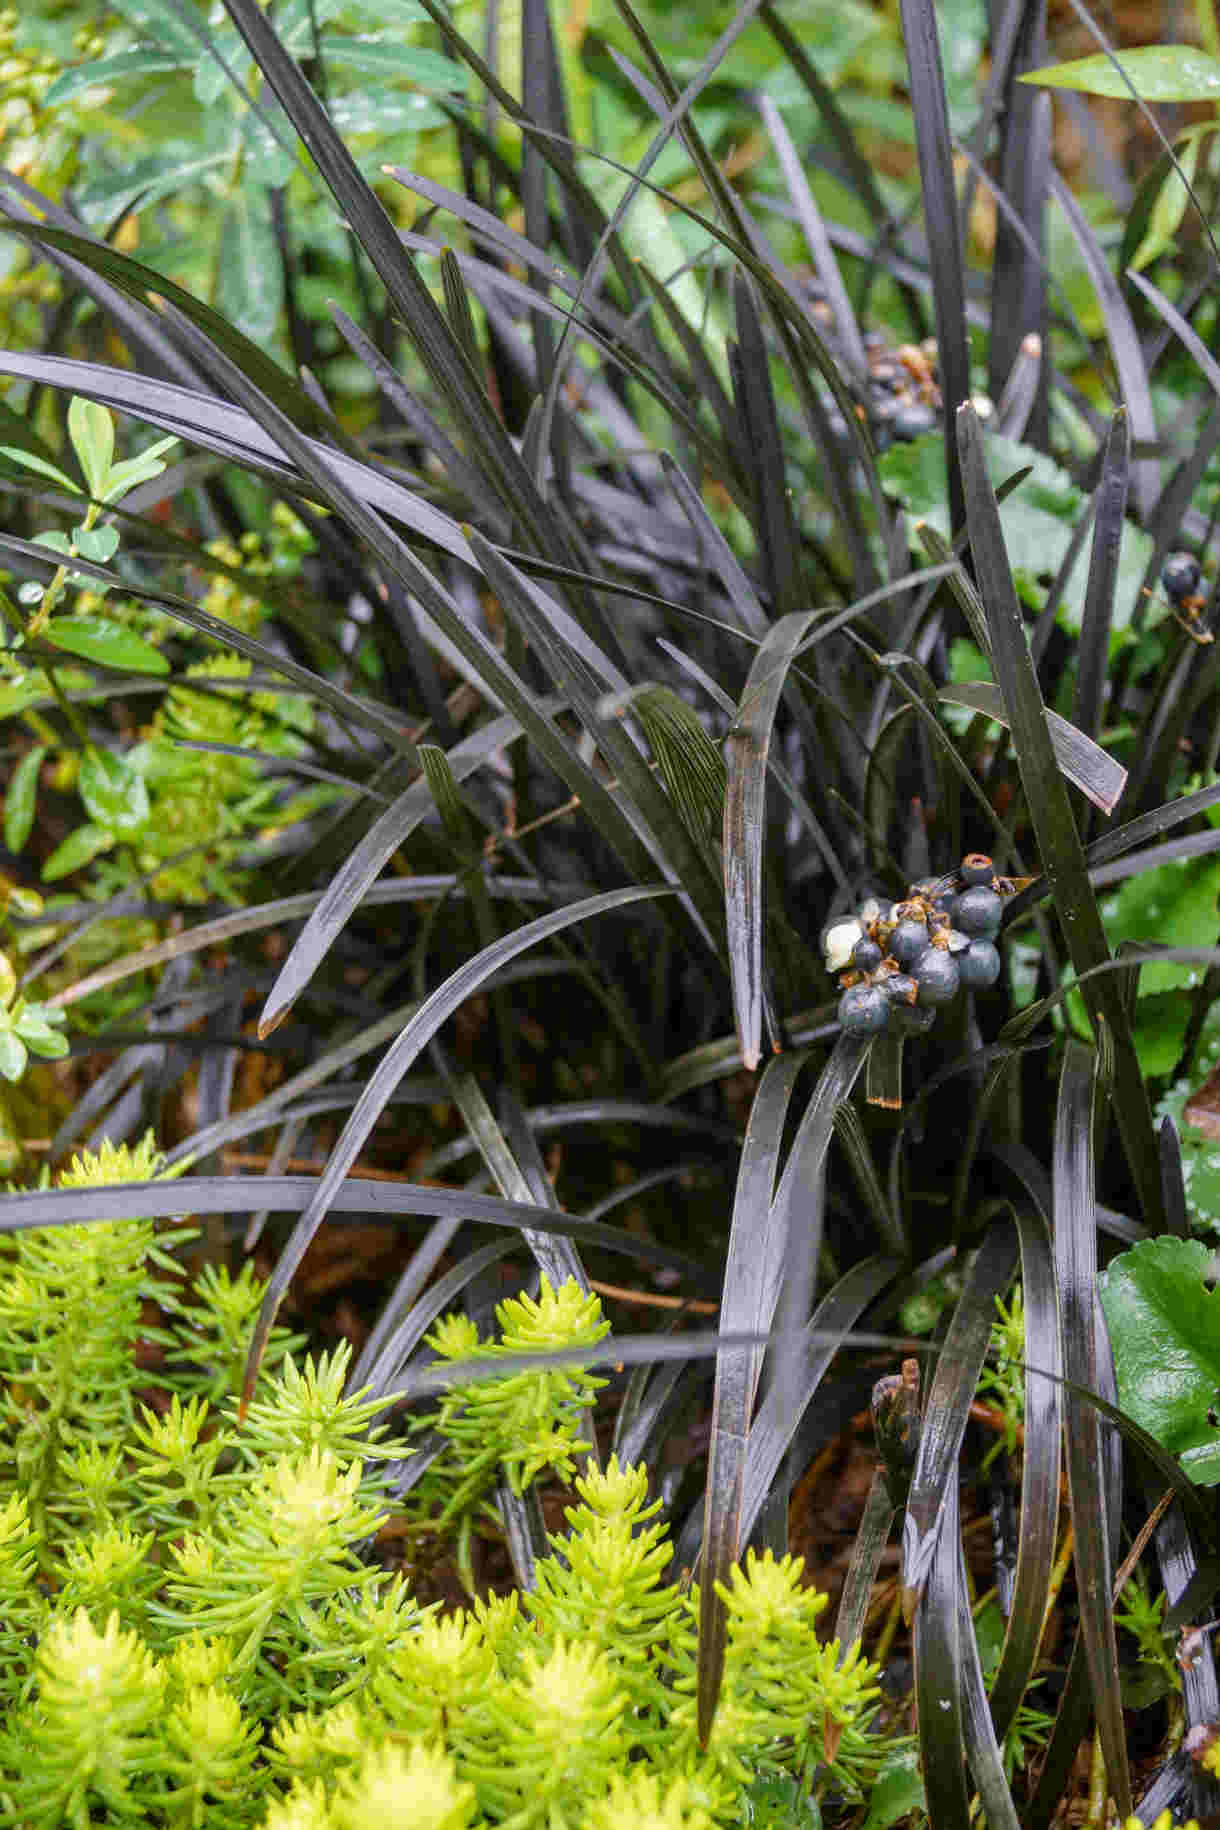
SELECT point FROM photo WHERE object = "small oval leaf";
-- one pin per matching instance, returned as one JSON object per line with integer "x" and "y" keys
{"x": 22, "y": 796}
{"x": 96, "y": 543}
{"x": 12, "y": 1055}
{"x": 92, "y": 432}
{"x": 41, "y": 1039}
{"x": 77, "y": 849}
{"x": 96, "y": 638}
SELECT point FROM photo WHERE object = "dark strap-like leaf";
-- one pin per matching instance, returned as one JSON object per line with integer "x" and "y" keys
{"x": 1075, "y": 1239}
{"x": 948, "y": 1406}
{"x": 1046, "y": 796}
{"x": 737, "y": 1368}
{"x": 748, "y": 744}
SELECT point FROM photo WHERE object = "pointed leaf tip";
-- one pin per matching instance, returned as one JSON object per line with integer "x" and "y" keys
{"x": 271, "y": 1020}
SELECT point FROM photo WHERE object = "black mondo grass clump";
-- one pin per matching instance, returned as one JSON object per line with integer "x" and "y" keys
{"x": 526, "y": 683}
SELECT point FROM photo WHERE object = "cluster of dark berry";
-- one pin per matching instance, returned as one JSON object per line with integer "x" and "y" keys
{"x": 901, "y": 962}
{"x": 899, "y": 397}
{"x": 903, "y": 395}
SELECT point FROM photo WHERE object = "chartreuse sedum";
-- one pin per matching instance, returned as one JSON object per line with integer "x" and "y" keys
{"x": 196, "y": 1630}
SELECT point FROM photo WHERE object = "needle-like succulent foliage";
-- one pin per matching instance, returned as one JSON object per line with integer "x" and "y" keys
{"x": 196, "y": 1632}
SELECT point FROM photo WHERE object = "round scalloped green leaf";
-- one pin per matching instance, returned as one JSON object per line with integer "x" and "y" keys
{"x": 1164, "y": 1325}
{"x": 1038, "y": 518}
{"x": 1200, "y": 1153}
{"x": 1157, "y": 73}
{"x": 1180, "y": 904}
{"x": 95, "y": 638}
{"x": 897, "y": 1792}
{"x": 774, "y": 1802}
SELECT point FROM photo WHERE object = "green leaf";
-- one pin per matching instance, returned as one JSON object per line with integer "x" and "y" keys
{"x": 77, "y": 849}
{"x": 212, "y": 79}
{"x": 113, "y": 794}
{"x": 384, "y": 111}
{"x": 427, "y": 69}
{"x": 96, "y": 543}
{"x": 1157, "y": 73}
{"x": 49, "y": 1015}
{"x": 40, "y": 1038}
{"x": 99, "y": 73}
{"x": 1200, "y": 1156}
{"x": 1171, "y": 201}
{"x": 1037, "y": 518}
{"x": 56, "y": 542}
{"x": 159, "y": 25}
{"x": 31, "y": 690}
{"x": 13, "y": 1056}
{"x": 1175, "y": 905}
{"x": 21, "y": 799}
{"x": 29, "y": 460}
{"x": 1164, "y": 1327}
{"x": 95, "y": 638}
{"x": 775, "y": 1802}
{"x": 141, "y": 469}
{"x": 898, "y": 1791}
{"x": 1159, "y": 1029}
{"x": 251, "y": 290}
{"x": 177, "y": 164}
{"x": 91, "y": 429}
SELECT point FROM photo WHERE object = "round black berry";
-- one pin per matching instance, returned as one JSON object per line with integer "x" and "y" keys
{"x": 978, "y": 911}
{"x": 864, "y": 1009}
{"x": 937, "y": 976}
{"x": 888, "y": 376}
{"x": 979, "y": 965}
{"x": 908, "y": 941}
{"x": 977, "y": 868}
{"x": 866, "y": 955}
{"x": 1180, "y": 575}
{"x": 911, "y": 421}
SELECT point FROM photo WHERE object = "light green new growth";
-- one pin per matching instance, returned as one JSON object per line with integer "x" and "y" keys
{"x": 191, "y": 1637}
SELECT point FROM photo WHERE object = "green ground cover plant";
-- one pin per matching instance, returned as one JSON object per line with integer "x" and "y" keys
{"x": 611, "y": 711}
{"x": 192, "y": 1634}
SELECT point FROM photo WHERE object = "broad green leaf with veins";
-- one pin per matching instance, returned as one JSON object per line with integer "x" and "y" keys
{"x": 1177, "y": 906}
{"x": 1200, "y": 1153}
{"x": 1164, "y": 1325}
{"x": 1037, "y": 518}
